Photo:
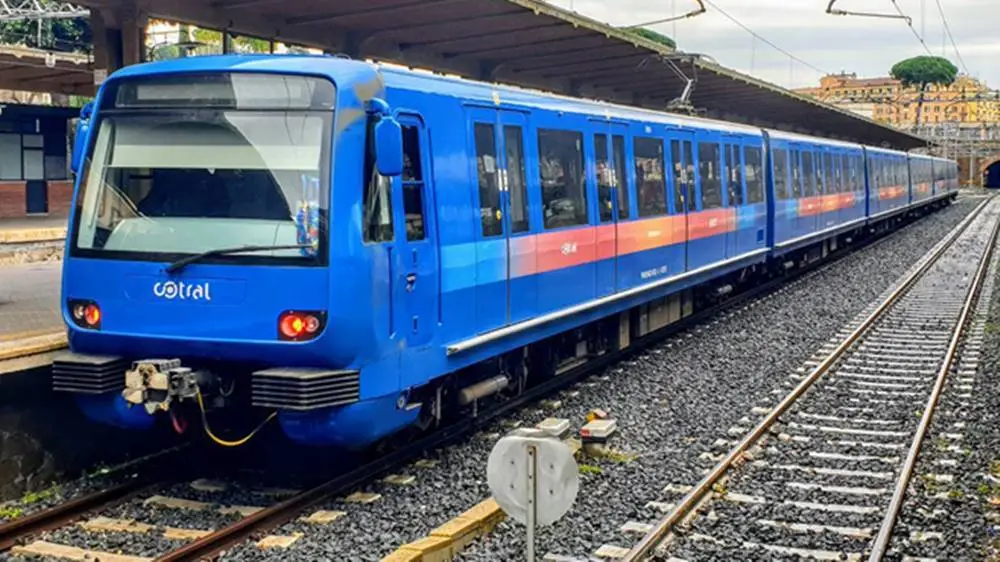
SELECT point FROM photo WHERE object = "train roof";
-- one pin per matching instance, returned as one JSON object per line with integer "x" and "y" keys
{"x": 337, "y": 68}
{"x": 785, "y": 135}
{"x": 515, "y": 95}
{"x": 888, "y": 151}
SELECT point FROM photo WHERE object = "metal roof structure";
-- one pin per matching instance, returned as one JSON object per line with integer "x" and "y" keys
{"x": 34, "y": 70}
{"x": 525, "y": 43}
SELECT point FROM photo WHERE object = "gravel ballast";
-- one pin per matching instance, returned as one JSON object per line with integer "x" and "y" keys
{"x": 825, "y": 483}
{"x": 952, "y": 507}
{"x": 670, "y": 404}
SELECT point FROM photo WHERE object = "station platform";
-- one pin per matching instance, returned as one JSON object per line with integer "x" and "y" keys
{"x": 32, "y": 229}
{"x": 31, "y": 327}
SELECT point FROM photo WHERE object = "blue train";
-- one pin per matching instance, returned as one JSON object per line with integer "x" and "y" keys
{"x": 357, "y": 248}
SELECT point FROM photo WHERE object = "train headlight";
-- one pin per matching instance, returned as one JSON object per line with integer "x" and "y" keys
{"x": 300, "y": 325}
{"x": 85, "y": 313}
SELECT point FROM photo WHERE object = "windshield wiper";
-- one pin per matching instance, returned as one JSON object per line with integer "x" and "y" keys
{"x": 181, "y": 263}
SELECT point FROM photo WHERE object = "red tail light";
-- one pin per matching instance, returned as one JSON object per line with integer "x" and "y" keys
{"x": 300, "y": 325}
{"x": 85, "y": 313}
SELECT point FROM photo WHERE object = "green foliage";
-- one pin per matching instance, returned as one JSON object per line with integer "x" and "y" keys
{"x": 652, "y": 36}
{"x": 924, "y": 70}
{"x": 239, "y": 44}
{"x": 64, "y": 35}
{"x": 10, "y": 512}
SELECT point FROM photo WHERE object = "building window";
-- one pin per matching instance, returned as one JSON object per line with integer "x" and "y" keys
{"x": 10, "y": 157}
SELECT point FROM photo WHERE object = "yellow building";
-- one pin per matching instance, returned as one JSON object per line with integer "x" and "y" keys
{"x": 967, "y": 101}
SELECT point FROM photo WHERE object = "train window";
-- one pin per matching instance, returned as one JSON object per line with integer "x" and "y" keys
{"x": 490, "y": 213}
{"x": 517, "y": 190}
{"x": 840, "y": 168}
{"x": 683, "y": 170}
{"x": 650, "y": 177}
{"x": 621, "y": 178}
{"x": 808, "y": 175}
{"x": 605, "y": 179}
{"x": 711, "y": 179}
{"x": 413, "y": 184}
{"x": 853, "y": 171}
{"x": 564, "y": 189}
{"x": 755, "y": 175}
{"x": 830, "y": 172}
{"x": 781, "y": 185}
{"x": 377, "y": 204}
{"x": 797, "y": 186}
{"x": 821, "y": 180}
{"x": 734, "y": 175}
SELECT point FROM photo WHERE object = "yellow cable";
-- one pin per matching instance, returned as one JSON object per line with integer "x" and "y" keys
{"x": 208, "y": 431}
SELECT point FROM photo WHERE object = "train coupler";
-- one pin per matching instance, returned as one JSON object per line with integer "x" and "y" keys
{"x": 157, "y": 384}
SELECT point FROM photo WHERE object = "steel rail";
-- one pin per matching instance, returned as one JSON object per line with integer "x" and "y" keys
{"x": 889, "y": 522}
{"x": 655, "y": 536}
{"x": 62, "y": 514}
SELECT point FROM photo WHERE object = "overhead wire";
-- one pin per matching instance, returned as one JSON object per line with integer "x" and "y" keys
{"x": 951, "y": 37}
{"x": 909, "y": 23}
{"x": 764, "y": 40}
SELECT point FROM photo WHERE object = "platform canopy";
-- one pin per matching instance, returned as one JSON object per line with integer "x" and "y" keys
{"x": 522, "y": 42}
{"x": 34, "y": 70}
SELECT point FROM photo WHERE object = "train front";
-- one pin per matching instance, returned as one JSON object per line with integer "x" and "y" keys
{"x": 197, "y": 273}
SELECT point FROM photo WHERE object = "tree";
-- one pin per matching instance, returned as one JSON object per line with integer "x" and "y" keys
{"x": 922, "y": 72}
{"x": 652, "y": 36}
{"x": 64, "y": 35}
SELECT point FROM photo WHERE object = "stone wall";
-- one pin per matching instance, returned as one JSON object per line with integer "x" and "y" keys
{"x": 44, "y": 439}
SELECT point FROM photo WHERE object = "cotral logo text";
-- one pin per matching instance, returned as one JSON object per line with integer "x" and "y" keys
{"x": 180, "y": 290}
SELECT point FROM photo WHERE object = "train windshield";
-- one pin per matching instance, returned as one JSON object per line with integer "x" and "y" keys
{"x": 187, "y": 164}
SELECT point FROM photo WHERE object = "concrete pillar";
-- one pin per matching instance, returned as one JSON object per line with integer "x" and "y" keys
{"x": 119, "y": 37}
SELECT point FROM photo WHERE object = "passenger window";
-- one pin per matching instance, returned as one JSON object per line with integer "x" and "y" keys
{"x": 490, "y": 213}
{"x": 781, "y": 174}
{"x": 833, "y": 172}
{"x": 711, "y": 179}
{"x": 820, "y": 185}
{"x": 605, "y": 206}
{"x": 808, "y": 175}
{"x": 734, "y": 173}
{"x": 413, "y": 184}
{"x": 755, "y": 175}
{"x": 689, "y": 175}
{"x": 513, "y": 141}
{"x": 564, "y": 190}
{"x": 798, "y": 181}
{"x": 618, "y": 144}
{"x": 681, "y": 182}
{"x": 377, "y": 205}
{"x": 649, "y": 177}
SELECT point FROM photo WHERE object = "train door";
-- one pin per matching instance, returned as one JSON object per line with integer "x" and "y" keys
{"x": 416, "y": 246}
{"x": 682, "y": 154}
{"x": 612, "y": 201}
{"x": 809, "y": 207}
{"x": 733, "y": 186}
{"x": 505, "y": 255}
{"x": 708, "y": 219}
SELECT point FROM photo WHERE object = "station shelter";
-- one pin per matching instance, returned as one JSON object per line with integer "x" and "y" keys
{"x": 35, "y": 179}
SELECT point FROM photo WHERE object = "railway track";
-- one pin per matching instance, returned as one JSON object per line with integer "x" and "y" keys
{"x": 254, "y": 521}
{"x": 823, "y": 473}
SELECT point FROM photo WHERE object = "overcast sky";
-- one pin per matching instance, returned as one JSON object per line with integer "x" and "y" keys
{"x": 867, "y": 46}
